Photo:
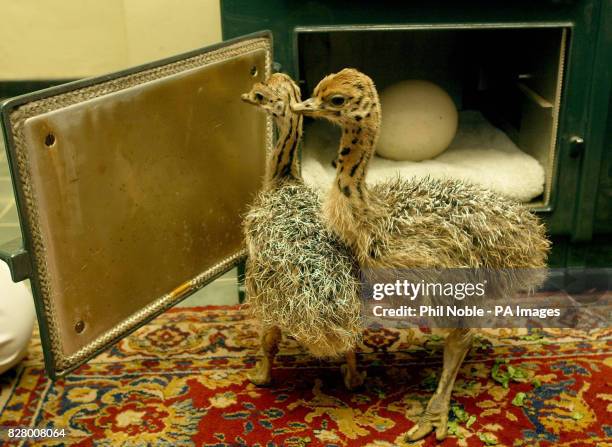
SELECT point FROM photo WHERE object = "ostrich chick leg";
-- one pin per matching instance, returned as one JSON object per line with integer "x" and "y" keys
{"x": 457, "y": 345}
{"x": 262, "y": 373}
{"x": 352, "y": 377}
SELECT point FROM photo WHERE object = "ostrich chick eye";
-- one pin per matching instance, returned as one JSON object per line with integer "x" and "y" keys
{"x": 259, "y": 97}
{"x": 337, "y": 100}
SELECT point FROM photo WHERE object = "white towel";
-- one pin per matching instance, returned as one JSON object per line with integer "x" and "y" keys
{"x": 480, "y": 153}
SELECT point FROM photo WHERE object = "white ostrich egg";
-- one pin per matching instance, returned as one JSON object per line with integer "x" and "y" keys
{"x": 419, "y": 121}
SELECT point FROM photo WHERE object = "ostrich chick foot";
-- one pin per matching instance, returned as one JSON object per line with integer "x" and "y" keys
{"x": 429, "y": 421}
{"x": 435, "y": 416}
{"x": 261, "y": 375}
{"x": 352, "y": 378}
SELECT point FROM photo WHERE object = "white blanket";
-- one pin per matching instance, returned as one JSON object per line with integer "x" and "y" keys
{"x": 480, "y": 153}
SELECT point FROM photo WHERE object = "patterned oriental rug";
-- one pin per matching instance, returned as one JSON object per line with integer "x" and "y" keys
{"x": 181, "y": 381}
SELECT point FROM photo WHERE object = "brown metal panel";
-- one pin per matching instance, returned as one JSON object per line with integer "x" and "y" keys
{"x": 133, "y": 190}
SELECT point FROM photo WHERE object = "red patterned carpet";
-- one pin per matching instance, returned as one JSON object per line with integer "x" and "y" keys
{"x": 180, "y": 381}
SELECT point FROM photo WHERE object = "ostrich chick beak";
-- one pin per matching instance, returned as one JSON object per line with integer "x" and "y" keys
{"x": 305, "y": 107}
{"x": 246, "y": 98}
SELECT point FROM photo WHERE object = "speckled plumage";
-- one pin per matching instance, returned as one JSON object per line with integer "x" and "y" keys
{"x": 414, "y": 223}
{"x": 307, "y": 279}
{"x": 300, "y": 277}
{"x": 421, "y": 224}
{"x": 426, "y": 223}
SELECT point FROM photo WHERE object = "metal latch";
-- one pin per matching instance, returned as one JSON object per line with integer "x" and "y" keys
{"x": 577, "y": 146}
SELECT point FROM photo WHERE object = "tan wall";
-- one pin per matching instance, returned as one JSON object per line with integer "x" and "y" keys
{"x": 46, "y": 39}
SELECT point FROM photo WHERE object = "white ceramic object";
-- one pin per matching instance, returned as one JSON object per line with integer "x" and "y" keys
{"x": 419, "y": 121}
{"x": 17, "y": 317}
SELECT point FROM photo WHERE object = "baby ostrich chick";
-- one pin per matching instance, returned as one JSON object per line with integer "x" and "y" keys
{"x": 420, "y": 224}
{"x": 300, "y": 278}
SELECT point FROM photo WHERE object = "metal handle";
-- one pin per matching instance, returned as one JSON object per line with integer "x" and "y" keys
{"x": 577, "y": 146}
{"x": 17, "y": 258}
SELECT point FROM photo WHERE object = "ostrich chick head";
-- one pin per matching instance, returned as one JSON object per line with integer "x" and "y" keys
{"x": 344, "y": 98}
{"x": 274, "y": 95}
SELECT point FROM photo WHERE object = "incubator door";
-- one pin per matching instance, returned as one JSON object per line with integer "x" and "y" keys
{"x": 131, "y": 188}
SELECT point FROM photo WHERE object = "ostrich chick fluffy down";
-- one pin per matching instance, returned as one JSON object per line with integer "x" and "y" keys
{"x": 300, "y": 279}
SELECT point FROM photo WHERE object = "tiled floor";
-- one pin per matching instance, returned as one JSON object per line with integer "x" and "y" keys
{"x": 222, "y": 291}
